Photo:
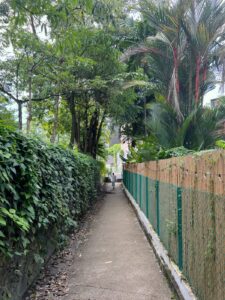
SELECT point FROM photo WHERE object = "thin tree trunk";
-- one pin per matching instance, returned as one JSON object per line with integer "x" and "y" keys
{"x": 91, "y": 141}
{"x": 20, "y": 115}
{"x": 100, "y": 128}
{"x": 29, "y": 105}
{"x": 197, "y": 79}
{"x": 56, "y": 120}
{"x": 204, "y": 77}
{"x": 78, "y": 130}
{"x": 98, "y": 133}
{"x": 145, "y": 116}
{"x": 33, "y": 26}
{"x": 86, "y": 128}
{"x": 94, "y": 138}
{"x": 73, "y": 133}
{"x": 190, "y": 87}
{"x": 175, "y": 55}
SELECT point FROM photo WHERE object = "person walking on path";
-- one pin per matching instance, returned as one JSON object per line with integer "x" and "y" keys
{"x": 113, "y": 180}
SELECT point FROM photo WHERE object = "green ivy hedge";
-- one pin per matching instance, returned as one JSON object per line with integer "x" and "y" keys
{"x": 42, "y": 187}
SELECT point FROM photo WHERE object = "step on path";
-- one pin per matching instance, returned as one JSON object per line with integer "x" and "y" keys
{"x": 117, "y": 261}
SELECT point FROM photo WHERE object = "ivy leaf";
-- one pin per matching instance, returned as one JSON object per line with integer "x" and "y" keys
{"x": 2, "y": 234}
{"x": 2, "y": 221}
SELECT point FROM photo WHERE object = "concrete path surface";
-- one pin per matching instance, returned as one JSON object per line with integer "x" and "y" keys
{"x": 116, "y": 262}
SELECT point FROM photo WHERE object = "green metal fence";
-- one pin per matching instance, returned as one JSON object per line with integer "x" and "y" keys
{"x": 163, "y": 210}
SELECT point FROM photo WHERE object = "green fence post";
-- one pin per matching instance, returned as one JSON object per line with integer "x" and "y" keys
{"x": 129, "y": 181}
{"x": 126, "y": 178}
{"x": 140, "y": 191}
{"x": 136, "y": 185}
{"x": 157, "y": 206}
{"x": 146, "y": 183}
{"x": 133, "y": 184}
{"x": 179, "y": 228}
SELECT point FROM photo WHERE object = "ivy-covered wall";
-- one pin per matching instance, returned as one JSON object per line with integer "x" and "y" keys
{"x": 44, "y": 190}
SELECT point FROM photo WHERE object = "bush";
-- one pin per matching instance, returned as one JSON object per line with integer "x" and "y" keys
{"x": 42, "y": 188}
{"x": 220, "y": 144}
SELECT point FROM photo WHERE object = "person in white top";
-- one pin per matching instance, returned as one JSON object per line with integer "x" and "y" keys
{"x": 113, "y": 180}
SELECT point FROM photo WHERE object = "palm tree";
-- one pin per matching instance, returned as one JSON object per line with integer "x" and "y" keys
{"x": 204, "y": 27}
{"x": 188, "y": 45}
{"x": 200, "y": 130}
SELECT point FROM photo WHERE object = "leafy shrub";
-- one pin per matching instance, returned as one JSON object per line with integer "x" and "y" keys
{"x": 174, "y": 152}
{"x": 149, "y": 149}
{"x": 41, "y": 188}
{"x": 220, "y": 144}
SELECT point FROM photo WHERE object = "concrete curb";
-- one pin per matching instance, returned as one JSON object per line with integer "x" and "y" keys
{"x": 170, "y": 269}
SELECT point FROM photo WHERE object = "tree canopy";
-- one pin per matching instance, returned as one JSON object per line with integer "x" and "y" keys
{"x": 68, "y": 66}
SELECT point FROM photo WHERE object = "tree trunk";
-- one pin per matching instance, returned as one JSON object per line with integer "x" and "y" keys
{"x": 197, "y": 79}
{"x": 78, "y": 131}
{"x": 175, "y": 56}
{"x": 100, "y": 128}
{"x": 98, "y": 135}
{"x": 145, "y": 116}
{"x": 73, "y": 134}
{"x": 20, "y": 115}
{"x": 190, "y": 87}
{"x": 29, "y": 105}
{"x": 56, "y": 119}
{"x": 86, "y": 129}
{"x": 204, "y": 77}
{"x": 33, "y": 26}
{"x": 92, "y": 134}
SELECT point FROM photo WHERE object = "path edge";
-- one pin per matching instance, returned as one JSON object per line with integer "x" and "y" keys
{"x": 170, "y": 269}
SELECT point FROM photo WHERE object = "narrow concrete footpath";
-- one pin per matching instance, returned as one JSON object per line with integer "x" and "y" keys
{"x": 116, "y": 262}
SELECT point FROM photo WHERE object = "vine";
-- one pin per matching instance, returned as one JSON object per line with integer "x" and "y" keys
{"x": 42, "y": 187}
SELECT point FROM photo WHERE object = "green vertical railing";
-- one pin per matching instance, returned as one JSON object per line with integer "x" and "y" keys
{"x": 157, "y": 206}
{"x": 136, "y": 183}
{"x": 133, "y": 184}
{"x": 140, "y": 191}
{"x": 141, "y": 188}
{"x": 146, "y": 199}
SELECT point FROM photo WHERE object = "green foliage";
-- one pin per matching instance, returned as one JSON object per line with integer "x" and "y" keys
{"x": 174, "y": 152}
{"x": 198, "y": 131}
{"x": 6, "y": 116}
{"x": 42, "y": 188}
{"x": 114, "y": 151}
{"x": 103, "y": 169}
{"x": 145, "y": 151}
{"x": 220, "y": 144}
{"x": 149, "y": 149}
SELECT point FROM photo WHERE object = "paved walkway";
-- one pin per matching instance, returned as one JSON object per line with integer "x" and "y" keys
{"x": 116, "y": 262}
